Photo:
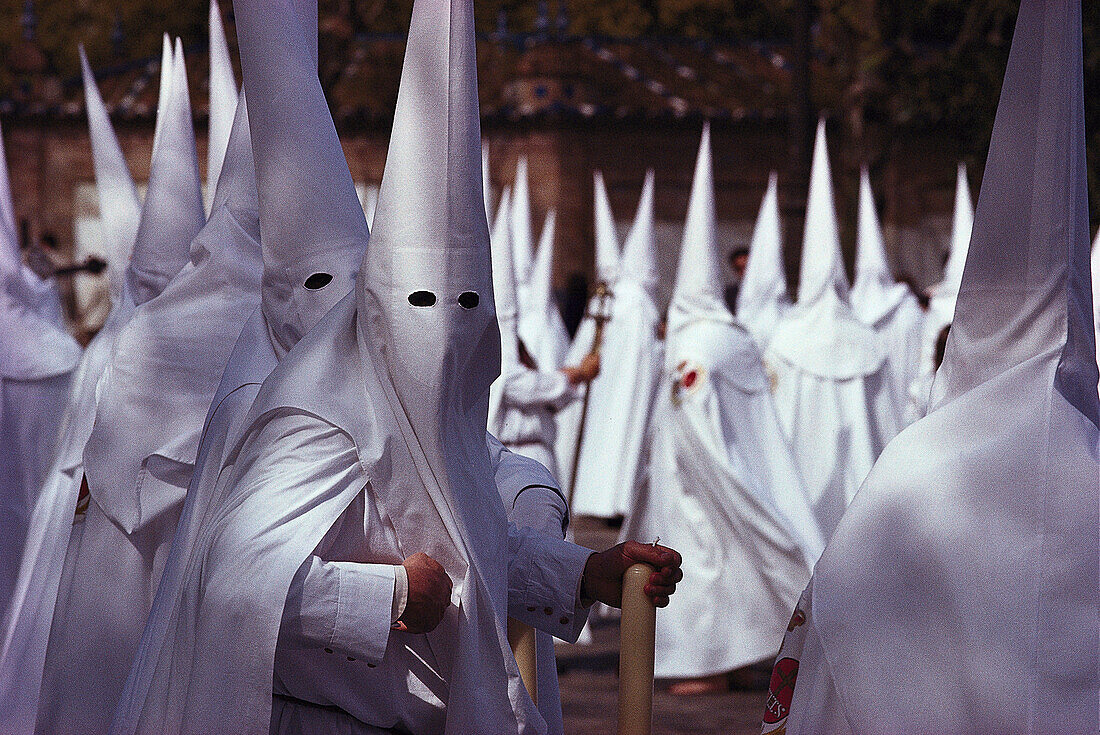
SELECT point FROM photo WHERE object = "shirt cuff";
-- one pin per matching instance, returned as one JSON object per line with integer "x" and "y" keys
{"x": 400, "y": 592}
{"x": 548, "y": 598}
{"x": 364, "y": 609}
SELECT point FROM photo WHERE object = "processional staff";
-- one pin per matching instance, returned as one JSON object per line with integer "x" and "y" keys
{"x": 600, "y": 315}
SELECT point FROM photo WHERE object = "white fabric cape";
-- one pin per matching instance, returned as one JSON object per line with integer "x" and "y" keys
{"x": 961, "y": 591}
{"x": 36, "y": 362}
{"x": 724, "y": 491}
{"x": 26, "y": 624}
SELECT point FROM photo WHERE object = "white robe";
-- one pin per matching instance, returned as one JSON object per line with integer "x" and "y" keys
{"x": 30, "y": 414}
{"x": 188, "y": 682}
{"x": 26, "y": 623}
{"x": 835, "y": 400}
{"x": 725, "y": 492}
{"x": 621, "y": 402}
{"x": 960, "y": 593}
{"x": 898, "y": 320}
{"x": 326, "y": 647}
{"x": 529, "y": 401}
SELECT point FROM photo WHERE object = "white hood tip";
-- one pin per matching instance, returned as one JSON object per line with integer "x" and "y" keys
{"x": 875, "y": 293}
{"x": 607, "y": 236}
{"x": 822, "y": 264}
{"x": 1025, "y": 286}
{"x": 523, "y": 237}
{"x": 699, "y": 288}
{"x": 223, "y": 100}
{"x": 763, "y": 294}
{"x": 638, "y": 263}
{"x": 119, "y": 207}
{"x": 172, "y": 213}
{"x": 313, "y": 230}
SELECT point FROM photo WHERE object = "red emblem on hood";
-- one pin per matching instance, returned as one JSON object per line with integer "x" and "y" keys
{"x": 781, "y": 691}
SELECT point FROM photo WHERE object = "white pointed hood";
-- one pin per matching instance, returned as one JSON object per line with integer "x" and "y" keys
{"x": 638, "y": 264}
{"x": 223, "y": 100}
{"x": 172, "y": 213}
{"x": 763, "y": 298}
{"x": 426, "y": 315}
{"x": 1025, "y": 289}
{"x": 946, "y": 292}
{"x": 607, "y": 237}
{"x": 119, "y": 208}
{"x": 698, "y": 293}
{"x": 523, "y": 231}
{"x": 313, "y": 229}
{"x": 168, "y": 360}
{"x": 37, "y": 294}
{"x": 821, "y": 335}
{"x": 542, "y": 269}
{"x": 875, "y": 294}
{"x": 541, "y": 327}
{"x": 822, "y": 265}
{"x": 973, "y": 543}
{"x": 504, "y": 297}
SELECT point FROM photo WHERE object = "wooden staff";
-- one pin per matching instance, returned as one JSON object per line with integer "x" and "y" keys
{"x": 521, "y": 637}
{"x": 600, "y": 316}
{"x": 636, "y": 645}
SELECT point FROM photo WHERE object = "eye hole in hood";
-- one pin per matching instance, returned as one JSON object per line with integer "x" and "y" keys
{"x": 469, "y": 299}
{"x": 422, "y": 298}
{"x": 318, "y": 281}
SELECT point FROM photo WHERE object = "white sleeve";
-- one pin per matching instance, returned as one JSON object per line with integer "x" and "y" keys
{"x": 340, "y": 607}
{"x": 530, "y": 493}
{"x": 544, "y": 583}
{"x": 525, "y": 388}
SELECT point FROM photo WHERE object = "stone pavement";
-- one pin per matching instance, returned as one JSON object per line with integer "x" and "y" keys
{"x": 589, "y": 681}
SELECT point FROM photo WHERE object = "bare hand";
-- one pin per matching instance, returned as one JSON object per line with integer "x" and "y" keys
{"x": 586, "y": 371}
{"x": 429, "y": 594}
{"x": 603, "y": 574}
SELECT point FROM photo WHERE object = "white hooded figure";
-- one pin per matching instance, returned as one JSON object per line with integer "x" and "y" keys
{"x": 524, "y": 400}
{"x": 40, "y": 295}
{"x": 151, "y": 400}
{"x": 374, "y": 425}
{"x": 223, "y": 103}
{"x": 36, "y": 367}
{"x": 832, "y": 386}
{"x": 883, "y": 303}
{"x": 26, "y": 623}
{"x": 37, "y": 360}
{"x": 762, "y": 299}
{"x": 723, "y": 485}
{"x": 941, "y": 305}
{"x": 540, "y": 324}
{"x": 621, "y": 398}
{"x": 960, "y": 592}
